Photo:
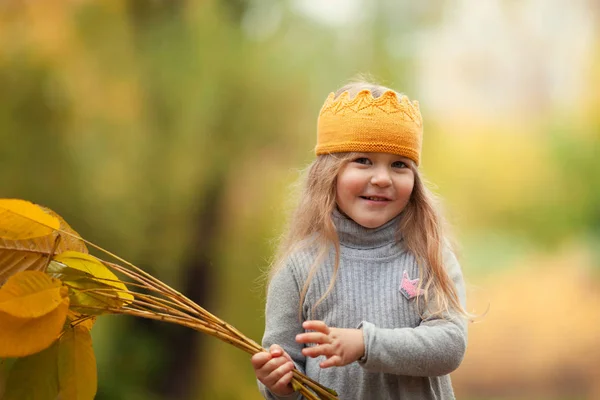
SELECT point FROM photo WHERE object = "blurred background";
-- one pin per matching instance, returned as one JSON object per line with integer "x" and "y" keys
{"x": 170, "y": 132}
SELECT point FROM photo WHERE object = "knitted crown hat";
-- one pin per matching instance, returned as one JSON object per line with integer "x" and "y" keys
{"x": 386, "y": 124}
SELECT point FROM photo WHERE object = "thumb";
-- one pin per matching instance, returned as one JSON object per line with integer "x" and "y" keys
{"x": 276, "y": 350}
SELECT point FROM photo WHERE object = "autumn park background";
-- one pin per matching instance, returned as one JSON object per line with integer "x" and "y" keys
{"x": 170, "y": 132}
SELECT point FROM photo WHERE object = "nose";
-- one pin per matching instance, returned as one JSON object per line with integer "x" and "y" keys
{"x": 381, "y": 177}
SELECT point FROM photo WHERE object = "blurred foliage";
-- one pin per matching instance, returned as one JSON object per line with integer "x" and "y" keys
{"x": 169, "y": 132}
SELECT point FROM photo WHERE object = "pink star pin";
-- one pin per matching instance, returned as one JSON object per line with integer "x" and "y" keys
{"x": 408, "y": 287}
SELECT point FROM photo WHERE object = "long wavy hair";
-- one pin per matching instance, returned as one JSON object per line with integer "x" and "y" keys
{"x": 422, "y": 226}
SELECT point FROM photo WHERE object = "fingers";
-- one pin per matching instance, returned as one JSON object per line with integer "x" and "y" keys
{"x": 318, "y": 326}
{"x": 275, "y": 374}
{"x": 274, "y": 369}
{"x": 320, "y": 333}
{"x": 327, "y": 350}
{"x": 276, "y": 350}
{"x": 316, "y": 351}
{"x": 258, "y": 360}
{"x": 331, "y": 362}
{"x": 280, "y": 378}
{"x": 313, "y": 337}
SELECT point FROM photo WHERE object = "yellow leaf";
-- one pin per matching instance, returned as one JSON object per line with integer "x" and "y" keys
{"x": 88, "y": 295}
{"x": 21, "y": 337}
{"x": 34, "y": 377}
{"x": 32, "y": 254}
{"x": 98, "y": 271}
{"x": 31, "y": 294}
{"x": 21, "y": 219}
{"x": 77, "y": 319}
{"x": 77, "y": 373}
{"x": 87, "y": 322}
{"x": 67, "y": 242}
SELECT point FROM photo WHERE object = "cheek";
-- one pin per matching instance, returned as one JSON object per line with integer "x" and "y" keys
{"x": 405, "y": 189}
{"x": 349, "y": 183}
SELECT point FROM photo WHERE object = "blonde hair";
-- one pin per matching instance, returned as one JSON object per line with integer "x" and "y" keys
{"x": 421, "y": 226}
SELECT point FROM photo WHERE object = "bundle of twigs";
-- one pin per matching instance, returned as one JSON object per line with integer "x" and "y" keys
{"x": 164, "y": 303}
{"x": 52, "y": 289}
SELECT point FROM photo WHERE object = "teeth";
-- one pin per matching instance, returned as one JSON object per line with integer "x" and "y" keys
{"x": 374, "y": 198}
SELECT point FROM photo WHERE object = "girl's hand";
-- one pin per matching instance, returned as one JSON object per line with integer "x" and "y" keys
{"x": 340, "y": 346}
{"x": 274, "y": 370}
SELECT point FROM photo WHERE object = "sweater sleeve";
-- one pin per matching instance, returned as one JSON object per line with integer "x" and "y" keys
{"x": 283, "y": 323}
{"x": 436, "y": 347}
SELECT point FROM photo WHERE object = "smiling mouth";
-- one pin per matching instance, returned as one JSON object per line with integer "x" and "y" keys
{"x": 374, "y": 198}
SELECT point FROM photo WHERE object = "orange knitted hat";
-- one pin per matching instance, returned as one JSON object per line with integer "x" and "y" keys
{"x": 386, "y": 124}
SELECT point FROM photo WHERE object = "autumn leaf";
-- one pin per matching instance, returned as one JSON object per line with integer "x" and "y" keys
{"x": 67, "y": 242}
{"x": 87, "y": 295}
{"x": 5, "y": 367}
{"x": 95, "y": 270}
{"x": 24, "y": 220}
{"x": 32, "y": 254}
{"x": 75, "y": 318}
{"x": 31, "y": 294}
{"x": 65, "y": 370}
{"x": 34, "y": 377}
{"x": 77, "y": 375}
{"x": 32, "y": 313}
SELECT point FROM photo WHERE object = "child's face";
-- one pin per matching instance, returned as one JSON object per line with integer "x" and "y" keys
{"x": 373, "y": 188}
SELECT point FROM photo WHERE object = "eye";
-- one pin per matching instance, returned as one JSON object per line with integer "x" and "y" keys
{"x": 399, "y": 164}
{"x": 362, "y": 160}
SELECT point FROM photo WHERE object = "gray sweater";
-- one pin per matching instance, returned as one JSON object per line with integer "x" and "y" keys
{"x": 406, "y": 356}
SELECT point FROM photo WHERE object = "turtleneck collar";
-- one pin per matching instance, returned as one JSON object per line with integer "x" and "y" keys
{"x": 356, "y": 236}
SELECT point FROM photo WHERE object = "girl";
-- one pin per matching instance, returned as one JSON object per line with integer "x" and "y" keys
{"x": 365, "y": 295}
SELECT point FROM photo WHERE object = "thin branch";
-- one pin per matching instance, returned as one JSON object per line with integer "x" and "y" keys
{"x": 151, "y": 302}
{"x": 54, "y": 246}
{"x": 149, "y": 285}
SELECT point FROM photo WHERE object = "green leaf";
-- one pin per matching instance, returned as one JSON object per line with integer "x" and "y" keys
{"x": 95, "y": 270}
{"x": 34, "y": 377}
{"x": 5, "y": 366}
{"x": 77, "y": 374}
{"x": 80, "y": 283}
